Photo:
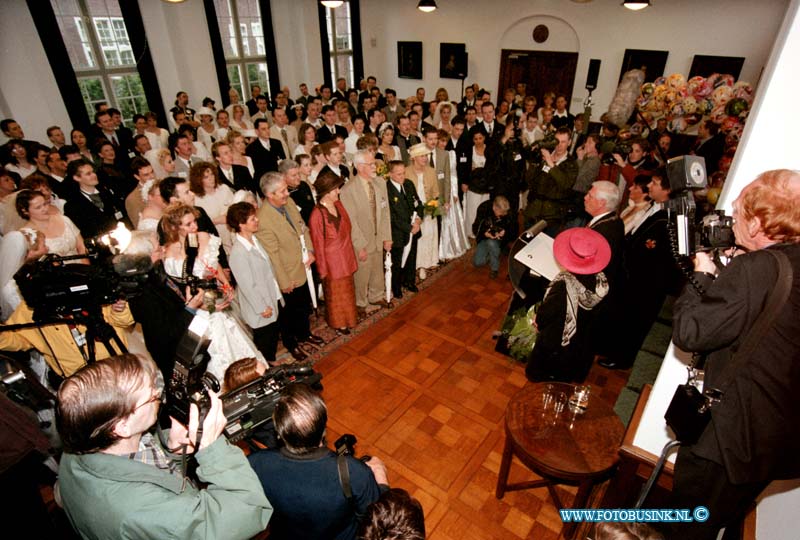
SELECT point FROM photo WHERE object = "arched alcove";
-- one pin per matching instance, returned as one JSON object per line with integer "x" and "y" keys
{"x": 562, "y": 36}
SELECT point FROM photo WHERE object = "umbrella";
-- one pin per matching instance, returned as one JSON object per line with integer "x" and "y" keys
{"x": 309, "y": 277}
{"x": 407, "y": 248}
{"x": 387, "y": 264}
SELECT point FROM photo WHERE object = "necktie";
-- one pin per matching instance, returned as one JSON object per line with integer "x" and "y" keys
{"x": 333, "y": 130}
{"x": 114, "y": 140}
{"x": 96, "y": 200}
{"x": 190, "y": 162}
{"x": 372, "y": 205}
{"x": 489, "y": 129}
{"x": 285, "y": 137}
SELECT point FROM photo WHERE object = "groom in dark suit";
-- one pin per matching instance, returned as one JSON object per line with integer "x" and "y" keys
{"x": 403, "y": 202}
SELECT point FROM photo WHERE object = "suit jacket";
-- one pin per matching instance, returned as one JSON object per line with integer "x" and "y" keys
{"x": 291, "y": 137}
{"x": 443, "y": 172}
{"x": 401, "y": 208}
{"x": 256, "y": 284}
{"x": 405, "y": 144}
{"x": 365, "y": 234}
{"x": 344, "y": 172}
{"x": 324, "y": 133}
{"x": 181, "y": 169}
{"x": 134, "y": 204}
{"x": 462, "y": 106}
{"x": 281, "y": 240}
{"x": 752, "y": 432}
{"x": 563, "y": 121}
{"x": 265, "y": 160}
{"x": 241, "y": 179}
{"x": 64, "y": 189}
{"x": 90, "y": 219}
{"x": 613, "y": 230}
{"x": 392, "y": 116}
{"x": 496, "y": 136}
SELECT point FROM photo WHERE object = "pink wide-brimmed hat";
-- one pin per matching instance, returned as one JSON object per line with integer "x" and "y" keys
{"x": 582, "y": 250}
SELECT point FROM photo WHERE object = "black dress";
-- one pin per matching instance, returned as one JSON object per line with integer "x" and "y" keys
{"x": 550, "y": 360}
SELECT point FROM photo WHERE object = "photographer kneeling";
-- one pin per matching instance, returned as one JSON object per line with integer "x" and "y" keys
{"x": 491, "y": 224}
{"x": 301, "y": 479}
{"x": 117, "y": 481}
{"x": 753, "y": 435}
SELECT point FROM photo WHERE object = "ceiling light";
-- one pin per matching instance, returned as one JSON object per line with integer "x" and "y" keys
{"x": 636, "y": 5}
{"x": 333, "y": 4}
{"x": 426, "y": 5}
{"x": 174, "y": 1}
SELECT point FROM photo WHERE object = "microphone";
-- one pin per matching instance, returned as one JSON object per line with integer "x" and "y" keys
{"x": 132, "y": 265}
{"x": 624, "y": 101}
{"x": 536, "y": 228}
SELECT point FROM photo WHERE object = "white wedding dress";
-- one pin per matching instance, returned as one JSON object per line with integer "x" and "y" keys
{"x": 229, "y": 341}
{"x": 453, "y": 242}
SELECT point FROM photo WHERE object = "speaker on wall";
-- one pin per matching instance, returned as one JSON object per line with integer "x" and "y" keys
{"x": 591, "y": 76}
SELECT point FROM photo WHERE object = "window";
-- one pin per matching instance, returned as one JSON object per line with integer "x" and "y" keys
{"x": 340, "y": 43}
{"x": 242, "y": 35}
{"x": 100, "y": 51}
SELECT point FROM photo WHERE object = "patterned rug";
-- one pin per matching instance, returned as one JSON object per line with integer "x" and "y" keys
{"x": 333, "y": 341}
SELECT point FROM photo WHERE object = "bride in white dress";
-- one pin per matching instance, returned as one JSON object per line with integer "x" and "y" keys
{"x": 229, "y": 341}
{"x": 153, "y": 210}
{"x": 453, "y": 242}
{"x": 424, "y": 178}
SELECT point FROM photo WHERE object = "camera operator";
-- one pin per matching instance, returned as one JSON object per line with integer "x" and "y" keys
{"x": 117, "y": 480}
{"x": 550, "y": 195}
{"x": 301, "y": 479}
{"x": 753, "y": 435}
{"x": 63, "y": 346}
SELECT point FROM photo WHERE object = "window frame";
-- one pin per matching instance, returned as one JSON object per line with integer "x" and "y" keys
{"x": 355, "y": 43}
{"x": 223, "y": 63}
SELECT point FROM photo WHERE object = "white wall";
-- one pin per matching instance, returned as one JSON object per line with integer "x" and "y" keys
{"x": 602, "y": 29}
{"x": 28, "y": 88}
{"x": 181, "y": 50}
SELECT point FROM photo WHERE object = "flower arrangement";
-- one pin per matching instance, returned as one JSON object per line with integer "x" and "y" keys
{"x": 382, "y": 169}
{"x": 520, "y": 332}
{"x": 433, "y": 208}
{"x": 212, "y": 297}
{"x": 684, "y": 103}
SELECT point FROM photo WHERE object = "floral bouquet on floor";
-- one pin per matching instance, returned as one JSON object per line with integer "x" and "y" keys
{"x": 519, "y": 332}
{"x": 433, "y": 208}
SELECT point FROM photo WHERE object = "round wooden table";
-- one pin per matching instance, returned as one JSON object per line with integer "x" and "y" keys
{"x": 567, "y": 448}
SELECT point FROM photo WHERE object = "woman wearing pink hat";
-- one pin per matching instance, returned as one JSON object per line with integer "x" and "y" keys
{"x": 562, "y": 351}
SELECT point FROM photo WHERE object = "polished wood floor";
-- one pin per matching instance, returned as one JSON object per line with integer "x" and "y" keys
{"x": 425, "y": 390}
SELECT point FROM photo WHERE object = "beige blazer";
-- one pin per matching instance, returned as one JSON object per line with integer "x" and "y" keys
{"x": 443, "y": 173}
{"x": 282, "y": 243}
{"x": 291, "y": 134}
{"x": 355, "y": 201}
{"x": 429, "y": 179}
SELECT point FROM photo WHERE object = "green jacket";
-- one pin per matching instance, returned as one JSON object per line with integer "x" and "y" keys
{"x": 111, "y": 497}
{"x": 550, "y": 193}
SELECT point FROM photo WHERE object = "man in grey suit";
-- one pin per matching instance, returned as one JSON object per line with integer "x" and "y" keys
{"x": 440, "y": 161}
{"x": 393, "y": 109}
{"x": 184, "y": 159}
{"x": 405, "y": 139}
{"x": 366, "y": 202}
{"x": 283, "y": 132}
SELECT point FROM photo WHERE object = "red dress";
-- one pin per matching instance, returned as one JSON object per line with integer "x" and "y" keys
{"x": 336, "y": 264}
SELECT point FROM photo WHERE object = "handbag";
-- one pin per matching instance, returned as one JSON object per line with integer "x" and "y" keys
{"x": 689, "y": 412}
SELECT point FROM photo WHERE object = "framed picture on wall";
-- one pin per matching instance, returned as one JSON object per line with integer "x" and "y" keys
{"x": 452, "y": 60}
{"x": 705, "y": 66}
{"x": 651, "y": 62}
{"x": 409, "y": 59}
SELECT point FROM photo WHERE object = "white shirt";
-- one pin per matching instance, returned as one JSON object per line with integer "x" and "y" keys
{"x": 264, "y": 143}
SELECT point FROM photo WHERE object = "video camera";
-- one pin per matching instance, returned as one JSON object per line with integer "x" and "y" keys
{"x": 246, "y": 408}
{"x": 251, "y": 406}
{"x": 609, "y": 147}
{"x": 346, "y": 446}
{"x": 685, "y": 174}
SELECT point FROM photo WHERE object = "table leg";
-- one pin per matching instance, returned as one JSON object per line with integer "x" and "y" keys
{"x": 505, "y": 466}
{"x": 581, "y": 498}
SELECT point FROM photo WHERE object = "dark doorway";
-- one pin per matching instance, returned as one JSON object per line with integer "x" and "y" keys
{"x": 542, "y": 71}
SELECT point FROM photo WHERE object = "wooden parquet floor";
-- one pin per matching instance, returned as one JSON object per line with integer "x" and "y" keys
{"x": 425, "y": 390}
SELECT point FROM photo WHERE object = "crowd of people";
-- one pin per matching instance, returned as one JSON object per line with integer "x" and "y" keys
{"x": 276, "y": 205}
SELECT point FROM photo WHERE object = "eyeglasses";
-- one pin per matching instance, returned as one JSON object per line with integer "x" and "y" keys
{"x": 157, "y": 392}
